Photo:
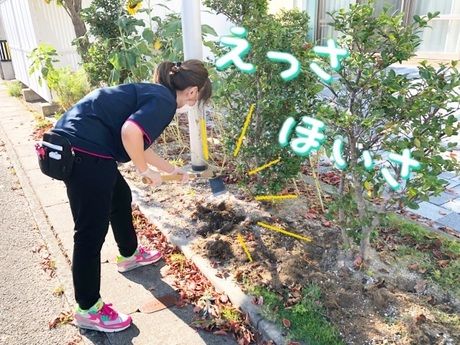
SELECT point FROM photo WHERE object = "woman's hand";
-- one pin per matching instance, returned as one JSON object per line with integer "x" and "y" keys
{"x": 182, "y": 172}
{"x": 151, "y": 177}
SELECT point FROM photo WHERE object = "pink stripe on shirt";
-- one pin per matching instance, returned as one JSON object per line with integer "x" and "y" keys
{"x": 141, "y": 129}
{"x": 91, "y": 153}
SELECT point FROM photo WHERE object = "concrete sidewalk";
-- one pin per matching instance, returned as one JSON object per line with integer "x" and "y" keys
{"x": 128, "y": 292}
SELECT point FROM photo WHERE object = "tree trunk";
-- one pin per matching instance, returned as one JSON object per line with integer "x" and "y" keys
{"x": 366, "y": 230}
{"x": 73, "y": 8}
{"x": 345, "y": 238}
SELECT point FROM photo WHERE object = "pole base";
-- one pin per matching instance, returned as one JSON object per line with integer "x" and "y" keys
{"x": 199, "y": 167}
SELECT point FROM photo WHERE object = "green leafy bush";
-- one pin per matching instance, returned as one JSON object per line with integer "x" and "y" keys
{"x": 67, "y": 86}
{"x": 375, "y": 109}
{"x": 14, "y": 88}
{"x": 274, "y": 98}
{"x": 125, "y": 48}
{"x": 43, "y": 57}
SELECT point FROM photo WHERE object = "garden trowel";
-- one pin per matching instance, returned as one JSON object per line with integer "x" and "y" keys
{"x": 216, "y": 182}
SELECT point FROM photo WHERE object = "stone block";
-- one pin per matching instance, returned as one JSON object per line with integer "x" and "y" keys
{"x": 443, "y": 198}
{"x": 430, "y": 211}
{"x": 31, "y": 96}
{"x": 453, "y": 205}
{"x": 452, "y": 220}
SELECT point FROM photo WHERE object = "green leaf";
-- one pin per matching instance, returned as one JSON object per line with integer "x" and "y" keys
{"x": 412, "y": 205}
{"x": 117, "y": 60}
{"x": 148, "y": 35}
{"x": 417, "y": 142}
{"x": 208, "y": 30}
{"x": 449, "y": 130}
{"x": 173, "y": 26}
{"x": 114, "y": 77}
{"x": 130, "y": 59}
{"x": 368, "y": 185}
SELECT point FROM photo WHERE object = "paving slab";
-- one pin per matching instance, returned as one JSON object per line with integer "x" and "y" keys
{"x": 130, "y": 290}
{"x": 453, "y": 184}
{"x": 61, "y": 219}
{"x": 453, "y": 205}
{"x": 37, "y": 178}
{"x": 455, "y": 190}
{"x": 170, "y": 327}
{"x": 447, "y": 175}
{"x": 29, "y": 162}
{"x": 431, "y": 211}
{"x": 51, "y": 194}
{"x": 452, "y": 220}
{"x": 443, "y": 198}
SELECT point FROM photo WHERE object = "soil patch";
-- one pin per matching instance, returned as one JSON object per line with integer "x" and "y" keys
{"x": 385, "y": 304}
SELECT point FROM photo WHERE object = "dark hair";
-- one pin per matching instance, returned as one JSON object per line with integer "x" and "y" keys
{"x": 181, "y": 75}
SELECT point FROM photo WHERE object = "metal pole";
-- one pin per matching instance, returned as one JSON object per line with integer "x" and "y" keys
{"x": 193, "y": 49}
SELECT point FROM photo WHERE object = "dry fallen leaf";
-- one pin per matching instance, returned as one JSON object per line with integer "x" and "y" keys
{"x": 420, "y": 286}
{"x": 443, "y": 263}
{"x": 65, "y": 317}
{"x": 327, "y": 224}
{"x": 287, "y": 323}
{"x": 420, "y": 319}
{"x": 358, "y": 262}
{"x": 413, "y": 267}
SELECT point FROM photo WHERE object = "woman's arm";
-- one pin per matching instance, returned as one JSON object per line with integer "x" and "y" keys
{"x": 133, "y": 142}
{"x": 160, "y": 163}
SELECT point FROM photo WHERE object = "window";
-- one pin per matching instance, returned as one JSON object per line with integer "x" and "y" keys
{"x": 441, "y": 41}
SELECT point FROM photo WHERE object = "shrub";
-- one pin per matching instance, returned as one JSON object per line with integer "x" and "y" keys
{"x": 125, "y": 48}
{"x": 14, "y": 88}
{"x": 68, "y": 86}
{"x": 375, "y": 109}
{"x": 274, "y": 99}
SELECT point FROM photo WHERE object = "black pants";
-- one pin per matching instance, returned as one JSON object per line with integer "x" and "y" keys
{"x": 97, "y": 194}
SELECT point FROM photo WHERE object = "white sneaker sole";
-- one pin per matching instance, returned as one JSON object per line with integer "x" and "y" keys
{"x": 100, "y": 329}
{"x": 122, "y": 269}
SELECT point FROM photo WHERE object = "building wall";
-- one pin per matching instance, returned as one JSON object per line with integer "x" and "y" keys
{"x": 6, "y": 67}
{"x": 28, "y": 23}
{"x": 21, "y": 37}
{"x": 53, "y": 26}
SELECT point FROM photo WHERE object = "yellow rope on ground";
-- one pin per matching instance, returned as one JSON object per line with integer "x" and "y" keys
{"x": 245, "y": 248}
{"x": 281, "y": 230}
{"x": 276, "y": 197}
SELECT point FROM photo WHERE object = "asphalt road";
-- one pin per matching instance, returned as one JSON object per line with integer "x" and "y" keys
{"x": 27, "y": 303}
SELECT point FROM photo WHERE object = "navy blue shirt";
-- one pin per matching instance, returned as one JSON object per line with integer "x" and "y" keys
{"x": 94, "y": 124}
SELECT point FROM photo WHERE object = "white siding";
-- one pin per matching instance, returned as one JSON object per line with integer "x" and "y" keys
{"x": 30, "y": 22}
{"x": 53, "y": 26}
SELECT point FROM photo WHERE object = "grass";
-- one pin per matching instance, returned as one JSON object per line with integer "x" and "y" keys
{"x": 230, "y": 314}
{"x": 179, "y": 260}
{"x": 447, "y": 277}
{"x": 307, "y": 320}
{"x": 41, "y": 121}
{"x": 14, "y": 88}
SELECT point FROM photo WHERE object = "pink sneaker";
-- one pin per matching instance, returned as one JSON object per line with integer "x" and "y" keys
{"x": 141, "y": 257}
{"x": 101, "y": 317}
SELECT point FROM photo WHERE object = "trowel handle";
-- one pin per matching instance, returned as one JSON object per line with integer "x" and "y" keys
{"x": 164, "y": 178}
